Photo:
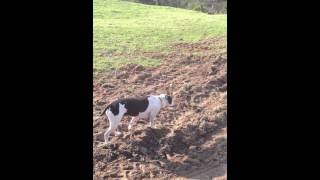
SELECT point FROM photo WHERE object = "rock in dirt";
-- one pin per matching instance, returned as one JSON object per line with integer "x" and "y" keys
{"x": 99, "y": 137}
{"x": 193, "y": 147}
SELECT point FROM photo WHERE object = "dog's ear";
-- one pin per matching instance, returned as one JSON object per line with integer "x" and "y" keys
{"x": 168, "y": 98}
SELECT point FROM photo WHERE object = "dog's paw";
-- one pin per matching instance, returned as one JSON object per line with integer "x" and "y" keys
{"x": 117, "y": 133}
{"x": 153, "y": 126}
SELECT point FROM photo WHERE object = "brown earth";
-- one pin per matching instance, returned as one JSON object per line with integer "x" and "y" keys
{"x": 190, "y": 139}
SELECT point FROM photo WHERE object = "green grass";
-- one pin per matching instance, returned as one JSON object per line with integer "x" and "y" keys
{"x": 121, "y": 26}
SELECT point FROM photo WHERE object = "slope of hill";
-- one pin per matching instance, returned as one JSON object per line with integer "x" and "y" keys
{"x": 190, "y": 139}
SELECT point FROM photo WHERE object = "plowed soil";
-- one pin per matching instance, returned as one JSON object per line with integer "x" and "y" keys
{"x": 190, "y": 138}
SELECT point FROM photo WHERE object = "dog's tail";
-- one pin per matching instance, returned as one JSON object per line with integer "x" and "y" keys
{"x": 104, "y": 111}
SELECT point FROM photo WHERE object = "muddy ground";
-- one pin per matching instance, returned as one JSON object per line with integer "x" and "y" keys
{"x": 190, "y": 139}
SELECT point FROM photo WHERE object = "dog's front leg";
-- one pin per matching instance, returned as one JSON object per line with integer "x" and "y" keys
{"x": 132, "y": 122}
{"x": 117, "y": 132}
{"x": 151, "y": 121}
{"x": 152, "y": 118}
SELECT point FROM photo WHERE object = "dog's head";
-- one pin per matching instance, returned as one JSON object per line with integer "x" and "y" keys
{"x": 166, "y": 100}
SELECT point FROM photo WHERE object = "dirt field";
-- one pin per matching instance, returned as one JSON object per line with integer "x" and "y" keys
{"x": 190, "y": 139}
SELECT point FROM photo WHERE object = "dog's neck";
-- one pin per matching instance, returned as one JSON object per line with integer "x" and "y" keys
{"x": 161, "y": 101}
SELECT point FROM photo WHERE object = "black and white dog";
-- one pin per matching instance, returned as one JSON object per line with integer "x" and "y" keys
{"x": 144, "y": 108}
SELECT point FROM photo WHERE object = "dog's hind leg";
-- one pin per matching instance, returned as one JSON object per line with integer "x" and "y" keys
{"x": 152, "y": 118}
{"x": 109, "y": 131}
{"x": 113, "y": 125}
{"x": 114, "y": 121}
{"x": 133, "y": 122}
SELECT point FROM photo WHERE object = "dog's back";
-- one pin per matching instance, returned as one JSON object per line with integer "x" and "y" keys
{"x": 133, "y": 105}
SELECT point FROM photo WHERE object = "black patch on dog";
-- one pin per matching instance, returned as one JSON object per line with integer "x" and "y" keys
{"x": 169, "y": 99}
{"x": 136, "y": 105}
{"x": 133, "y": 105}
{"x": 114, "y": 107}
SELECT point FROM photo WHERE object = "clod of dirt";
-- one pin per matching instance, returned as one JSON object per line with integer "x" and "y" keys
{"x": 221, "y": 118}
{"x": 197, "y": 89}
{"x": 127, "y": 67}
{"x": 100, "y": 103}
{"x": 197, "y": 109}
{"x": 100, "y": 165}
{"x": 213, "y": 69}
{"x": 111, "y": 156}
{"x": 126, "y": 153}
{"x": 223, "y": 88}
{"x": 108, "y": 85}
{"x": 205, "y": 118}
{"x": 127, "y": 167}
{"x": 114, "y": 175}
{"x": 176, "y": 142}
{"x": 193, "y": 161}
{"x": 122, "y": 75}
{"x": 141, "y": 77}
{"x": 139, "y": 68}
{"x": 218, "y": 82}
{"x": 99, "y": 155}
{"x": 97, "y": 108}
{"x": 143, "y": 150}
{"x": 193, "y": 147}
{"x": 99, "y": 137}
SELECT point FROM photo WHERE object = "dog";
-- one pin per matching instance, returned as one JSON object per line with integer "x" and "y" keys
{"x": 138, "y": 108}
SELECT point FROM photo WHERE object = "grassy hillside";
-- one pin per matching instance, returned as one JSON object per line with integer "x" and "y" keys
{"x": 121, "y": 28}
